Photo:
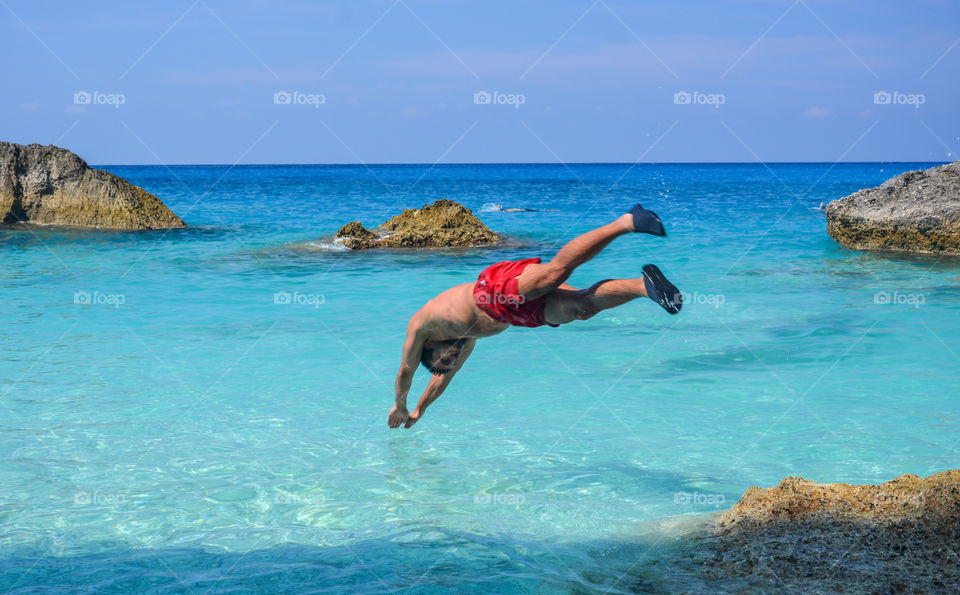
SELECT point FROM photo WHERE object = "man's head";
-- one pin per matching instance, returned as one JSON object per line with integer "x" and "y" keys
{"x": 441, "y": 356}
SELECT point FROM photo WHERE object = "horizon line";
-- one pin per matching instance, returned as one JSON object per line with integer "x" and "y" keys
{"x": 564, "y": 164}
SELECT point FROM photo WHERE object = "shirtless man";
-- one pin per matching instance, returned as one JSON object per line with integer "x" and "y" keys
{"x": 442, "y": 334}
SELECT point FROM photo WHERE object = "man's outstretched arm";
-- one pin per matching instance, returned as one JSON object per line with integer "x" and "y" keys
{"x": 412, "y": 348}
{"x": 439, "y": 383}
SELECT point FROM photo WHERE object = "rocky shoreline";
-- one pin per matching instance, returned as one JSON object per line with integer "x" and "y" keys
{"x": 901, "y": 536}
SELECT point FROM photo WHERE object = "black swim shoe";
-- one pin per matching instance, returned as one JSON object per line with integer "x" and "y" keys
{"x": 645, "y": 221}
{"x": 660, "y": 290}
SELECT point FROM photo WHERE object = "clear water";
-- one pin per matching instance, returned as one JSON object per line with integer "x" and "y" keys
{"x": 184, "y": 432}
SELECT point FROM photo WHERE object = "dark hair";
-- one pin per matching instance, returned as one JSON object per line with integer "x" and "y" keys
{"x": 426, "y": 357}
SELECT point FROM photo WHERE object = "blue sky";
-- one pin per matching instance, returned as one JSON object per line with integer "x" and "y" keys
{"x": 570, "y": 81}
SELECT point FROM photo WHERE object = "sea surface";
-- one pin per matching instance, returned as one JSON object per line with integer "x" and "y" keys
{"x": 204, "y": 410}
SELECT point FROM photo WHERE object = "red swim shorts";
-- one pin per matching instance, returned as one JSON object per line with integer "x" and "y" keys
{"x": 496, "y": 294}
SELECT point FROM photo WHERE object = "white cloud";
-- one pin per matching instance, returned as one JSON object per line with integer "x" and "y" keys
{"x": 816, "y": 112}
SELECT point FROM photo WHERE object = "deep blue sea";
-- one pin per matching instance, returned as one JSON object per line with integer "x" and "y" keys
{"x": 204, "y": 410}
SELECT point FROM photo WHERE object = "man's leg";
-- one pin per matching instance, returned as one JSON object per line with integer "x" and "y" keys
{"x": 566, "y": 305}
{"x": 540, "y": 279}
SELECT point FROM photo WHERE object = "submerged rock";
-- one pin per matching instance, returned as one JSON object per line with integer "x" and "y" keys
{"x": 918, "y": 211}
{"x": 898, "y": 536}
{"x": 47, "y": 185}
{"x": 444, "y": 223}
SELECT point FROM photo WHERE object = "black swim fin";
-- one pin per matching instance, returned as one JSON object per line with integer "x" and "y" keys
{"x": 660, "y": 290}
{"x": 645, "y": 221}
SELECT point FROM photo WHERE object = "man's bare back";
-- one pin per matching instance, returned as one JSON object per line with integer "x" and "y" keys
{"x": 442, "y": 334}
{"x": 454, "y": 315}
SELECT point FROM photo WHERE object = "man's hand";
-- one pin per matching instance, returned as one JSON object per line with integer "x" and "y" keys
{"x": 414, "y": 418}
{"x": 398, "y": 417}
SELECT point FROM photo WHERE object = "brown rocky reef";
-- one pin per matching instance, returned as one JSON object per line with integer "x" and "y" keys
{"x": 898, "y": 536}
{"x": 444, "y": 223}
{"x": 918, "y": 211}
{"x": 47, "y": 185}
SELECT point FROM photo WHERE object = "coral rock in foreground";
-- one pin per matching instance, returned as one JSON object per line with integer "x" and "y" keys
{"x": 47, "y": 185}
{"x": 444, "y": 223}
{"x": 898, "y": 536}
{"x": 918, "y": 211}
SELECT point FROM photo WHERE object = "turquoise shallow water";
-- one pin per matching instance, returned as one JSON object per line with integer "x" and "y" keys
{"x": 179, "y": 430}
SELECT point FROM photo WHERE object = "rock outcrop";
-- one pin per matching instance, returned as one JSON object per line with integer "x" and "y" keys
{"x": 898, "y": 536}
{"x": 47, "y": 185}
{"x": 908, "y": 498}
{"x": 918, "y": 211}
{"x": 444, "y": 223}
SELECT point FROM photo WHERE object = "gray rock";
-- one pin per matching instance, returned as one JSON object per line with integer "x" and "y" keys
{"x": 47, "y": 185}
{"x": 918, "y": 211}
